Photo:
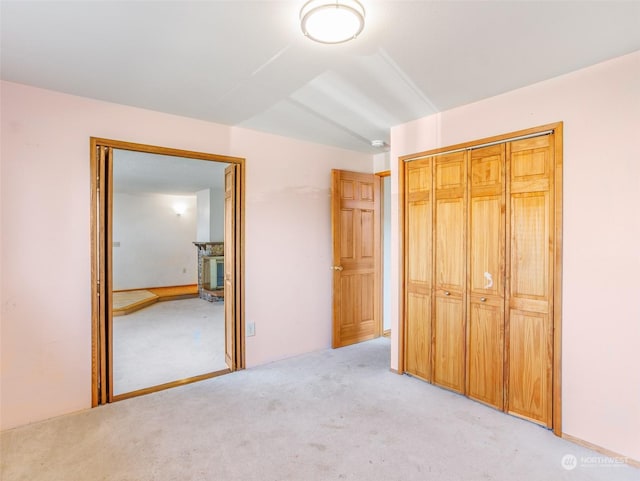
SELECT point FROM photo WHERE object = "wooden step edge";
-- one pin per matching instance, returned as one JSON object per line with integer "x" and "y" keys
{"x": 136, "y": 306}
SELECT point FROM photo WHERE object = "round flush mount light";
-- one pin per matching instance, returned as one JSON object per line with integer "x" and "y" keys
{"x": 332, "y": 22}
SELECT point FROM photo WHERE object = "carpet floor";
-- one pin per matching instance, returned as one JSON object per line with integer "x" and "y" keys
{"x": 329, "y": 415}
{"x": 167, "y": 341}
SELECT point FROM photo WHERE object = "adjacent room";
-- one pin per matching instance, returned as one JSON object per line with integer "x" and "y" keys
{"x": 354, "y": 239}
{"x": 167, "y": 269}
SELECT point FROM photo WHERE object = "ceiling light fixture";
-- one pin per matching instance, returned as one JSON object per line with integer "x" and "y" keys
{"x": 332, "y": 22}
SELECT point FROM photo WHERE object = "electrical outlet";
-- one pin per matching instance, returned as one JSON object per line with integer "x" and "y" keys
{"x": 251, "y": 329}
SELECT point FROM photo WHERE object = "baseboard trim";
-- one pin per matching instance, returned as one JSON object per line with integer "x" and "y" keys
{"x": 386, "y": 333}
{"x": 599, "y": 449}
{"x": 395, "y": 371}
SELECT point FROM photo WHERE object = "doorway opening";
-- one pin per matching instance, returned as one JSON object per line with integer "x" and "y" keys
{"x": 167, "y": 267}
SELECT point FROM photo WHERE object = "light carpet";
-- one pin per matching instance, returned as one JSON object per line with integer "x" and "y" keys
{"x": 330, "y": 415}
{"x": 167, "y": 341}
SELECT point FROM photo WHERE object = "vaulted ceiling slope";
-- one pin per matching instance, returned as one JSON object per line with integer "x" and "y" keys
{"x": 246, "y": 62}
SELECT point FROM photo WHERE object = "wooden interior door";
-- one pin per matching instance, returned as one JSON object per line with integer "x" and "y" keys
{"x": 355, "y": 223}
{"x": 530, "y": 279}
{"x": 418, "y": 267}
{"x": 102, "y": 391}
{"x": 485, "y": 322}
{"x": 449, "y": 304}
{"x": 230, "y": 288}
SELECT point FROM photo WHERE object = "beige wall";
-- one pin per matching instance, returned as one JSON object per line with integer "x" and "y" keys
{"x": 600, "y": 107}
{"x": 45, "y": 246}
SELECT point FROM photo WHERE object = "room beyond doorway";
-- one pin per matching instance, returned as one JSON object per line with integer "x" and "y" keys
{"x": 130, "y": 355}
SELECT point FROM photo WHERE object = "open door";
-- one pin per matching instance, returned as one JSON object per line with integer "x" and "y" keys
{"x": 230, "y": 179}
{"x": 355, "y": 226}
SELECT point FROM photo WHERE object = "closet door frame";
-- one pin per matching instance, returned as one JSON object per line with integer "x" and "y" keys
{"x": 557, "y": 129}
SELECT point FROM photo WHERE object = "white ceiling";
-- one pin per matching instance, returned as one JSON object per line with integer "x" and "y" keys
{"x": 144, "y": 173}
{"x": 246, "y": 62}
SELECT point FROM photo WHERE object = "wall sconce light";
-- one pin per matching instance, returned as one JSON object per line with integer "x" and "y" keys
{"x": 332, "y": 22}
{"x": 179, "y": 209}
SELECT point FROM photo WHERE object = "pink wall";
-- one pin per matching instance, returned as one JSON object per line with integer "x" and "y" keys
{"x": 600, "y": 107}
{"x": 45, "y": 256}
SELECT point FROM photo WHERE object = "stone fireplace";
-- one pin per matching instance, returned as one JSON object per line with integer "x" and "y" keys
{"x": 210, "y": 270}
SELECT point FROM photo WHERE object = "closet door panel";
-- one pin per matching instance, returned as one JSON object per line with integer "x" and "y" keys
{"x": 486, "y": 354}
{"x": 418, "y": 344}
{"x": 530, "y": 366}
{"x": 419, "y": 243}
{"x": 450, "y": 241}
{"x": 530, "y": 280}
{"x": 530, "y": 245}
{"x": 486, "y": 269}
{"x": 485, "y": 334}
{"x": 448, "y": 343}
{"x": 450, "y": 225}
{"x": 418, "y": 268}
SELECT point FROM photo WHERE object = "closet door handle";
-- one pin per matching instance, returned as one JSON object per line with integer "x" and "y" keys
{"x": 447, "y": 293}
{"x": 483, "y": 299}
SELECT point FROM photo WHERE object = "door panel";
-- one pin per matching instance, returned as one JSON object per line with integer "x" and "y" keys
{"x": 485, "y": 341}
{"x": 451, "y": 172}
{"x": 418, "y": 345}
{"x": 367, "y": 233}
{"x": 486, "y": 353}
{"x": 448, "y": 345}
{"x": 347, "y": 246}
{"x": 450, "y": 259}
{"x": 230, "y": 179}
{"x": 449, "y": 290}
{"x": 418, "y": 268}
{"x": 355, "y": 221}
{"x": 529, "y": 366}
{"x": 419, "y": 243}
{"x": 530, "y": 293}
{"x": 530, "y": 245}
{"x": 486, "y": 244}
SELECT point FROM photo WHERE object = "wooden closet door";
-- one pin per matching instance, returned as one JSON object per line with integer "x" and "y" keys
{"x": 530, "y": 279}
{"x": 485, "y": 323}
{"x": 449, "y": 271}
{"x": 418, "y": 267}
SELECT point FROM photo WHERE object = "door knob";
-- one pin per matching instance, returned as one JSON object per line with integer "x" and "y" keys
{"x": 483, "y": 299}
{"x": 337, "y": 268}
{"x": 447, "y": 293}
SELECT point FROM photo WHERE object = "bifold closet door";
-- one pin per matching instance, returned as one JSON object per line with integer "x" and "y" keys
{"x": 418, "y": 268}
{"x": 485, "y": 321}
{"x": 449, "y": 304}
{"x": 530, "y": 278}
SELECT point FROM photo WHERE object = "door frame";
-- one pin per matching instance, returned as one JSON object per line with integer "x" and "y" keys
{"x": 381, "y": 175}
{"x": 101, "y": 318}
{"x": 557, "y": 128}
